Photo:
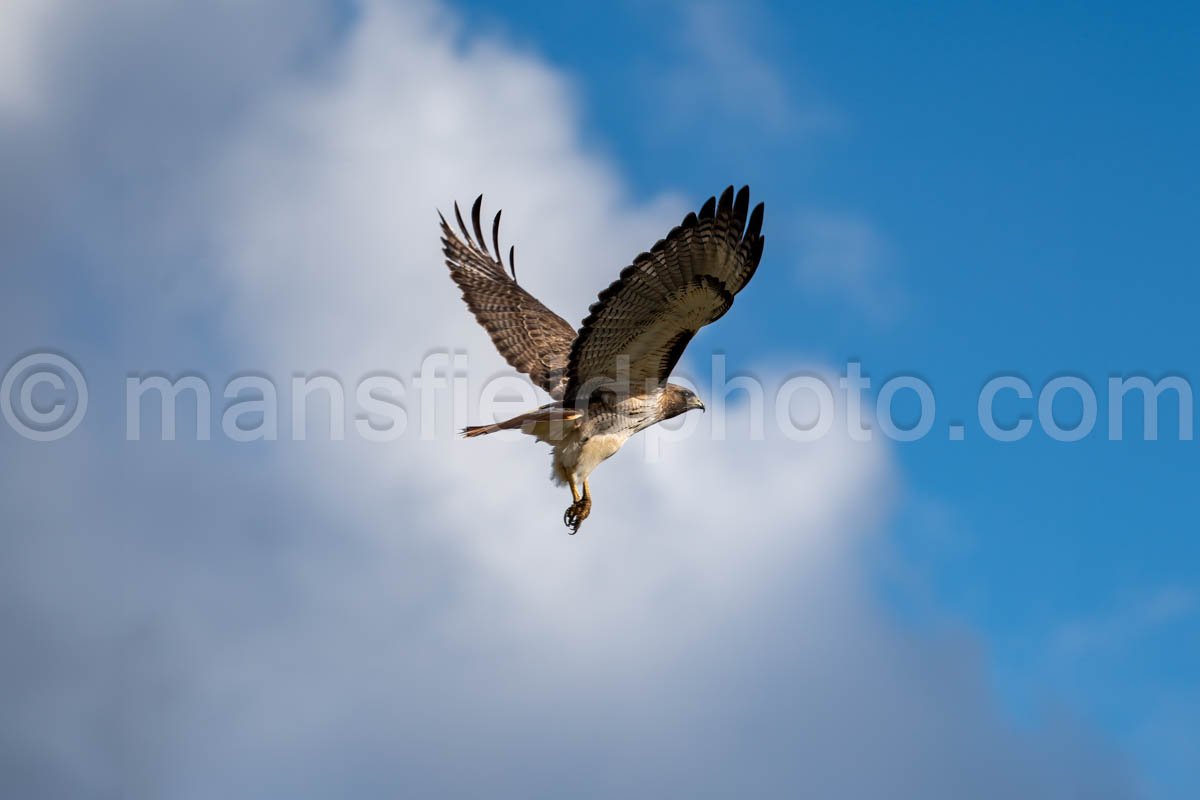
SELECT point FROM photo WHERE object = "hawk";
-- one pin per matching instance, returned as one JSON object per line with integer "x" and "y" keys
{"x": 608, "y": 380}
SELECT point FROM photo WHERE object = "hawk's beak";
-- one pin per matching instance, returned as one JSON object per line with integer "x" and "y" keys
{"x": 699, "y": 405}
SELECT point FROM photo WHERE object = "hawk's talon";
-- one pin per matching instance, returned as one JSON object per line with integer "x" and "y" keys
{"x": 576, "y": 513}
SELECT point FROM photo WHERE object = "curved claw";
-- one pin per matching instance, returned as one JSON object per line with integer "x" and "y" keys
{"x": 576, "y": 513}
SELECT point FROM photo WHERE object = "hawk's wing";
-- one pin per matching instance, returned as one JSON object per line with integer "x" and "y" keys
{"x": 531, "y": 337}
{"x": 640, "y": 325}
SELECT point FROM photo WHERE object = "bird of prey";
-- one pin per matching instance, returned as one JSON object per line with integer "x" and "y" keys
{"x": 608, "y": 380}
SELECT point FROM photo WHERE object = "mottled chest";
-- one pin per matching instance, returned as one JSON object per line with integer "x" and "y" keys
{"x": 620, "y": 415}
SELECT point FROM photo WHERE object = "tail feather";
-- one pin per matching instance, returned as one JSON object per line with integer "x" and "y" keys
{"x": 479, "y": 430}
{"x": 534, "y": 422}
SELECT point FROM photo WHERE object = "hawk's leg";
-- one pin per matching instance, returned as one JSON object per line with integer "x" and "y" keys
{"x": 579, "y": 510}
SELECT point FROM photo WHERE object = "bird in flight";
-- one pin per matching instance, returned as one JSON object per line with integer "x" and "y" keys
{"x": 608, "y": 380}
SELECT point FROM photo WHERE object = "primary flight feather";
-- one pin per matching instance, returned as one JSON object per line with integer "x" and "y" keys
{"x": 609, "y": 379}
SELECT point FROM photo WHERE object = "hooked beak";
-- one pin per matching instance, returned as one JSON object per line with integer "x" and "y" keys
{"x": 699, "y": 405}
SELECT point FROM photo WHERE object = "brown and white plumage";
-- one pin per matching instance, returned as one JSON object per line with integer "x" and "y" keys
{"x": 610, "y": 378}
{"x": 532, "y": 338}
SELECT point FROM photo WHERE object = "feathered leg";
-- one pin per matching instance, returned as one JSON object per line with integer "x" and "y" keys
{"x": 579, "y": 510}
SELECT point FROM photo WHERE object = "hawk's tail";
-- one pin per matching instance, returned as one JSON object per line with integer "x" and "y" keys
{"x": 480, "y": 430}
{"x": 546, "y": 423}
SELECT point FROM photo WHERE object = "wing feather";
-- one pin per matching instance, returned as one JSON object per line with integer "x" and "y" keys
{"x": 636, "y": 331}
{"x": 530, "y": 337}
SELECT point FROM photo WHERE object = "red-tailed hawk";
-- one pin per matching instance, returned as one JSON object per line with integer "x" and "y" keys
{"x": 609, "y": 379}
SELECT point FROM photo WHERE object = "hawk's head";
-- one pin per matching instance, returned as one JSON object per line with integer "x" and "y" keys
{"x": 676, "y": 400}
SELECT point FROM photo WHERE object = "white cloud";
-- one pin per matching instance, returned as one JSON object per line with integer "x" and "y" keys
{"x": 347, "y": 618}
{"x": 21, "y": 29}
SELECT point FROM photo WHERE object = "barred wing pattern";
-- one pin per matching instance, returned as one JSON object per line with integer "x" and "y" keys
{"x": 532, "y": 338}
{"x": 640, "y": 325}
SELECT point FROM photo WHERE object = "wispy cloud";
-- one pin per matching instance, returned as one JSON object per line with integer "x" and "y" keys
{"x": 1143, "y": 616}
{"x": 845, "y": 257}
{"x": 717, "y": 71}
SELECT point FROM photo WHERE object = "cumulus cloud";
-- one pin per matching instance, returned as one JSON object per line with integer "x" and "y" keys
{"x": 315, "y": 618}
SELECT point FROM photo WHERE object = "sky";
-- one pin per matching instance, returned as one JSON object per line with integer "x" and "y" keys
{"x": 248, "y": 191}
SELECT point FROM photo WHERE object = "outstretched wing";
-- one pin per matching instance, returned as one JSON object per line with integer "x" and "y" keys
{"x": 636, "y": 332}
{"x": 532, "y": 338}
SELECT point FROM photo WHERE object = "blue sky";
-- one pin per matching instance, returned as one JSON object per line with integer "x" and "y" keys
{"x": 954, "y": 194}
